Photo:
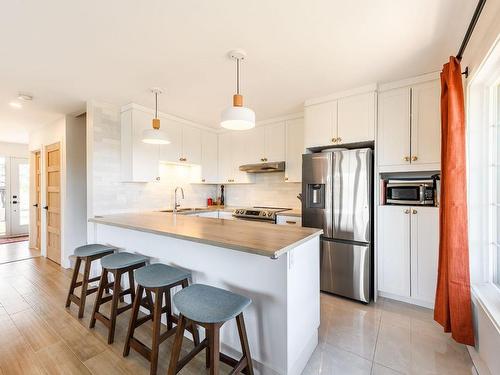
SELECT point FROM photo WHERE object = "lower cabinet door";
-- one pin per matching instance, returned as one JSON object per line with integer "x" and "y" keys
{"x": 345, "y": 269}
{"x": 424, "y": 252}
{"x": 394, "y": 250}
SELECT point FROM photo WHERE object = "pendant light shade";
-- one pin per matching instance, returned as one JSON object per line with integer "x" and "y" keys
{"x": 237, "y": 117}
{"x": 155, "y": 135}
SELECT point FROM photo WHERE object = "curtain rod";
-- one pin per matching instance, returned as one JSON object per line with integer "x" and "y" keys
{"x": 470, "y": 30}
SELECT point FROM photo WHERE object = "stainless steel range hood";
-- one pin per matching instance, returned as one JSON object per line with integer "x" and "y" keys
{"x": 278, "y": 166}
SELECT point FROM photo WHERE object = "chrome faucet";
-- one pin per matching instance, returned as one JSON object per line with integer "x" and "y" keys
{"x": 176, "y": 205}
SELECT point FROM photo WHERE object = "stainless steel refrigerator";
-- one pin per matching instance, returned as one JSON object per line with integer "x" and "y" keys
{"x": 337, "y": 197}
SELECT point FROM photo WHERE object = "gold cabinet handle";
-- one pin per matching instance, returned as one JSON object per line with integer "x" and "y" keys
{"x": 414, "y": 158}
{"x": 414, "y": 211}
{"x": 291, "y": 222}
{"x": 407, "y": 211}
{"x": 334, "y": 140}
{"x": 339, "y": 139}
{"x": 202, "y": 180}
{"x": 286, "y": 178}
{"x": 182, "y": 159}
{"x": 158, "y": 178}
{"x": 406, "y": 158}
{"x": 262, "y": 159}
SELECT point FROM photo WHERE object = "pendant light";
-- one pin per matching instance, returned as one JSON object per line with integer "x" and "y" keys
{"x": 237, "y": 117}
{"x": 155, "y": 136}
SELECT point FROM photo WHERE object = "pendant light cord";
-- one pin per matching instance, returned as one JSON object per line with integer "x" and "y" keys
{"x": 156, "y": 104}
{"x": 238, "y": 76}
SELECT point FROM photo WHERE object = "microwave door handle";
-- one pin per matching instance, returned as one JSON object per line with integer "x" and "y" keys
{"x": 422, "y": 193}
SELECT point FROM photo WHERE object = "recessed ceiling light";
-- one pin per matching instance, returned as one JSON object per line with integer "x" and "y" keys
{"x": 25, "y": 97}
{"x": 15, "y": 104}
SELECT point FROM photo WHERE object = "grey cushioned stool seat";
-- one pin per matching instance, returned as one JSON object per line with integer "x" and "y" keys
{"x": 207, "y": 304}
{"x": 159, "y": 275}
{"x": 92, "y": 249}
{"x": 121, "y": 260}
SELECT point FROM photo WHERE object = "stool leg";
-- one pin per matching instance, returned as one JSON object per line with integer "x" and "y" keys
{"x": 207, "y": 350}
{"x": 150, "y": 303}
{"x": 213, "y": 343}
{"x": 133, "y": 319}
{"x": 114, "y": 306}
{"x": 74, "y": 278}
{"x": 131, "y": 285}
{"x": 102, "y": 284}
{"x": 192, "y": 325}
{"x": 176, "y": 349}
{"x": 85, "y": 284}
{"x": 244, "y": 343}
{"x": 168, "y": 304}
{"x": 156, "y": 330}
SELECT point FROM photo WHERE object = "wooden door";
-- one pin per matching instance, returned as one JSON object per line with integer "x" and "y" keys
{"x": 394, "y": 128}
{"x": 53, "y": 201}
{"x": 424, "y": 253}
{"x": 37, "y": 204}
{"x": 356, "y": 118}
{"x": 394, "y": 250}
{"x": 320, "y": 124}
{"x": 426, "y": 123}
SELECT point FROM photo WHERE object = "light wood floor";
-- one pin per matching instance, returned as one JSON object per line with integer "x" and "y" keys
{"x": 39, "y": 336}
{"x": 11, "y": 252}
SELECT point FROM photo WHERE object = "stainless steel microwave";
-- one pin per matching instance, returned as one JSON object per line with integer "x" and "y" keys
{"x": 410, "y": 192}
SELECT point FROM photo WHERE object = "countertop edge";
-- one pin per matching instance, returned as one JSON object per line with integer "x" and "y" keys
{"x": 250, "y": 250}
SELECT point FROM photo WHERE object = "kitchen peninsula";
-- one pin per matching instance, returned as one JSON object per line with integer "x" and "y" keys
{"x": 276, "y": 266}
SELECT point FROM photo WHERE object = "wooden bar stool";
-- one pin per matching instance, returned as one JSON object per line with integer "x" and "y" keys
{"x": 158, "y": 279}
{"x": 116, "y": 264}
{"x": 86, "y": 253}
{"x": 210, "y": 308}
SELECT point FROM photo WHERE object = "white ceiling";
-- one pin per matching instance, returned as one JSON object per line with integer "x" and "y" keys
{"x": 66, "y": 52}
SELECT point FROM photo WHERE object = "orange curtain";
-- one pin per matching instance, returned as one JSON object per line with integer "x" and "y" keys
{"x": 453, "y": 309}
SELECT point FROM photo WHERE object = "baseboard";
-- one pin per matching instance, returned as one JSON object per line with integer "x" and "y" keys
{"x": 409, "y": 300}
{"x": 480, "y": 366}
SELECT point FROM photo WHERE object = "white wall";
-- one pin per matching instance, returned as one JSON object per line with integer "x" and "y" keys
{"x": 107, "y": 193}
{"x": 19, "y": 150}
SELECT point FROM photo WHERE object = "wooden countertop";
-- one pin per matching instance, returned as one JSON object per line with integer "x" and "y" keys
{"x": 252, "y": 237}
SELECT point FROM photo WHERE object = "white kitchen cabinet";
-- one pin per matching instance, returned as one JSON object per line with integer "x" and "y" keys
{"x": 209, "y": 158}
{"x": 409, "y": 129}
{"x": 274, "y": 141}
{"x": 191, "y": 145}
{"x": 349, "y": 119}
{"x": 294, "y": 150}
{"x": 320, "y": 127}
{"x": 424, "y": 253}
{"x": 394, "y": 250}
{"x": 139, "y": 161}
{"x": 356, "y": 118}
{"x": 426, "y": 123}
{"x": 393, "y": 142}
{"x": 408, "y": 247}
{"x": 173, "y": 151}
{"x": 289, "y": 220}
{"x": 233, "y": 152}
{"x": 185, "y": 143}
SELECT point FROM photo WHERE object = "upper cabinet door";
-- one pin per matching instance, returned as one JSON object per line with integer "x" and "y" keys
{"x": 191, "y": 145}
{"x": 275, "y": 141}
{"x": 426, "y": 123}
{"x": 294, "y": 150}
{"x": 356, "y": 118}
{"x": 320, "y": 124}
{"x": 393, "y": 141}
{"x": 254, "y": 140}
{"x": 424, "y": 252}
{"x": 394, "y": 250}
{"x": 209, "y": 157}
{"x": 241, "y": 155}
{"x": 173, "y": 151}
{"x": 226, "y": 158}
{"x": 139, "y": 161}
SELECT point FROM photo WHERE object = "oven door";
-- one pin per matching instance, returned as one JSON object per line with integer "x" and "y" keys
{"x": 405, "y": 194}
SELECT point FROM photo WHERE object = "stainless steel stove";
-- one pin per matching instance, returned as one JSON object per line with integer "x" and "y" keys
{"x": 264, "y": 214}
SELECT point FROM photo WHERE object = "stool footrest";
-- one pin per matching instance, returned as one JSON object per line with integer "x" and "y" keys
{"x": 140, "y": 348}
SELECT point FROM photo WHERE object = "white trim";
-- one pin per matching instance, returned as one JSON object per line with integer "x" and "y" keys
{"x": 410, "y": 300}
{"x": 408, "y": 81}
{"x": 489, "y": 299}
{"x": 342, "y": 94}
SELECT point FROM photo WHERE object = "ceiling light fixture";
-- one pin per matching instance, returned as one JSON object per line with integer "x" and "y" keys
{"x": 15, "y": 105}
{"x": 155, "y": 136}
{"x": 237, "y": 117}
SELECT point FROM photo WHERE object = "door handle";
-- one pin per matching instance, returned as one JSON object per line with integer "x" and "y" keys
{"x": 14, "y": 202}
{"x": 407, "y": 211}
{"x": 45, "y": 207}
{"x": 414, "y": 211}
{"x": 35, "y": 205}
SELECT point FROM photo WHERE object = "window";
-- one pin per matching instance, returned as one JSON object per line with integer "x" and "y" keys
{"x": 494, "y": 177}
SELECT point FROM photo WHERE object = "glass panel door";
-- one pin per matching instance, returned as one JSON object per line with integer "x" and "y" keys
{"x": 19, "y": 196}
